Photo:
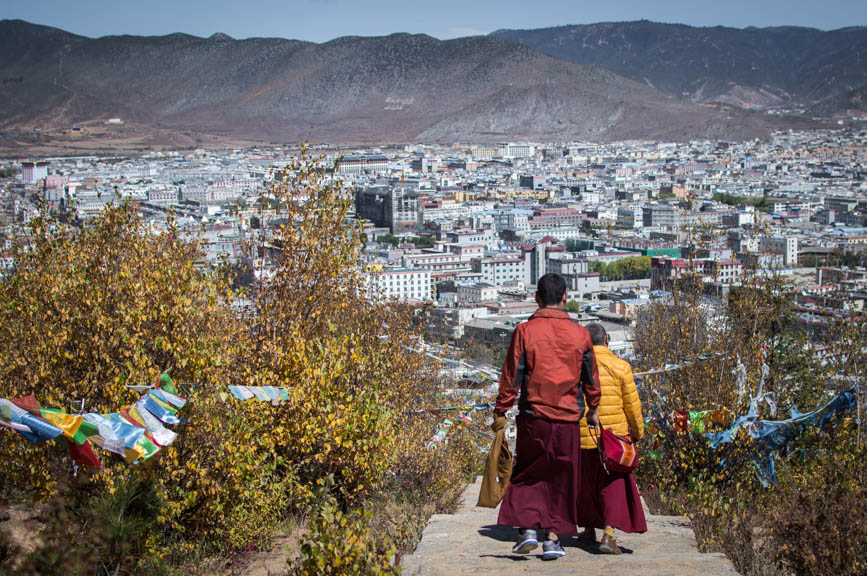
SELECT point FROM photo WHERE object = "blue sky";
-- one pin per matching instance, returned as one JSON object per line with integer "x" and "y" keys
{"x": 322, "y": 20}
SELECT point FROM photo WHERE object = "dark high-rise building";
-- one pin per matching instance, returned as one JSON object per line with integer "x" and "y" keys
{"x": 388, "y": 206}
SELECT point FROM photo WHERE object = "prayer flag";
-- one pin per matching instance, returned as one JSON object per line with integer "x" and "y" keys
{"x": 28, "y": 403}
{"x": 82, "y": 454}
{"x": 16, "y": 427}
{"x": 158, "y": 400}
{"x": 161, "y": 434}
{"x": 85, "y": 431}
{"x": 167, "y": 384}
{"x": 113, "y": 427}
{"x": 260, "y": 394}
{"x": 169, "y": 398}
{"x": 150, "y": 405}
{"x": 149, "y": 446}
{"x": 40, "y": 430}
{"x": 240, "y": 392}
{"x": 69, "y": 423}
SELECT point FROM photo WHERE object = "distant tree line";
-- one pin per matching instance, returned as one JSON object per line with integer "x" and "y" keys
{"x": 419, "y": 241}
{"x": 836, "y": 258}
{"x": 762, "y": 204}
{"x": 632, "y": 268}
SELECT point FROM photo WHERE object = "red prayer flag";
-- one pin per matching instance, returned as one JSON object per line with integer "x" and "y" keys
{"x": 83, "y": 454}
{"x": 681, "y": 421}
{"x": 29, "y": 403}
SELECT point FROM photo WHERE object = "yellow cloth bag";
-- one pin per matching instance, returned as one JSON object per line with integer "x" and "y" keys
{"x": 498, "y": 468}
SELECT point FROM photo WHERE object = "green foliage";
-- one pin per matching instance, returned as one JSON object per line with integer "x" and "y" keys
{"x": 88, "y": 311}
{"x": 126, "y": 516}
{"x": 572, "y": 306}
{"x": 816, "y": 517}
{"x": 631, "y": 268}
{"x": 762, "y": 204}
{"x": 809, "y": 523}
{"x": 341, "y": 543}
{"x": 419, "y": 241}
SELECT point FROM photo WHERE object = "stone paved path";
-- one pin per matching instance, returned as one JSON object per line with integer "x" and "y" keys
{"x": 469, "y": 542}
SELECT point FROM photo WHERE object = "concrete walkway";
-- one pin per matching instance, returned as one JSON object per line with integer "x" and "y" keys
{"x": 469, "y": 542}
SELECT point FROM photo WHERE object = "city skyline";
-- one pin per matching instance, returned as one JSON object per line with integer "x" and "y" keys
{"x": 324, "y": 20}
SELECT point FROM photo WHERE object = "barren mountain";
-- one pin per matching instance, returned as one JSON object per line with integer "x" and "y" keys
{"x": 852, "y": 103}
{"x": 745, "y": 67}
{"x": 396, "y": 88}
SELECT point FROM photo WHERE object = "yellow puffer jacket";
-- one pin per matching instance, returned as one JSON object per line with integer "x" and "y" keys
{"x": 620, "y": 408}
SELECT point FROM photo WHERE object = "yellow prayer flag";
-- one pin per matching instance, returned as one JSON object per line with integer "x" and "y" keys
{"x": 136, "y": 415}
{"x": 68, "y": 423}
{"x": 168, "y": 407}
{"x": 134, "y": 454}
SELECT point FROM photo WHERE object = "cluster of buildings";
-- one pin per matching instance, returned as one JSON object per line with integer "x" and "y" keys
{"x": 467, "y": 230}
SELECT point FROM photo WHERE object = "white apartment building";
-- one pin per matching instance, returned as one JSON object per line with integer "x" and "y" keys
{"x": 786, "y": 247}
{"x": 401, "y": 284}
{"x": 481, "y": 292}
{"x": 499, "y": 271}
{"x": 32, "y": 172}
{"x": 517, "y": 220}
{"x": 162, "y": 196}
{"x": 483, "y": 237}
{"x": 512, "y": 150}
{"x": 436, "y": 261}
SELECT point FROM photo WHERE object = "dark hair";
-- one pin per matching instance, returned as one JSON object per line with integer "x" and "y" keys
{"x": 597, "y": 334}
{"x": 550, "y": 289}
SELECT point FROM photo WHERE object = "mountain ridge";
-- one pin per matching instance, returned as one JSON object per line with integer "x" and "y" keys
{"x": 748, "y": 67}
{"x": 396, "y": 88}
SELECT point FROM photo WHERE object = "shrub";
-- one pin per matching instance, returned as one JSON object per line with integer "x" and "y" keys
{"x": 341, "y": 543}
{"x": 816, "y": 518}
{"x": 809, "y": 522}
{"x": 87, "y": 312}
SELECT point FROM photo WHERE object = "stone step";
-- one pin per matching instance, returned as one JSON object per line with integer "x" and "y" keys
{"x": 470, "y": 542}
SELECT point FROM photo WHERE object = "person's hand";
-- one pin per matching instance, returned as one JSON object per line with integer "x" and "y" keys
{"x": 593, "y": 418}
{"x": 499, "y": 422}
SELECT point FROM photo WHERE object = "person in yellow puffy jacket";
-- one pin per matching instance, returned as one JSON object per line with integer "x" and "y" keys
{"x": 608, "y": 499}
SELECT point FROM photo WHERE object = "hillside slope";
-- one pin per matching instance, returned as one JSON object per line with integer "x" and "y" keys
{"x": 745, "y": 67}
{"x": 396, "y": 88}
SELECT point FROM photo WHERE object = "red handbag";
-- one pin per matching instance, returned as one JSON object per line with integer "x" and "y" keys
{"x": 617, "y": 453}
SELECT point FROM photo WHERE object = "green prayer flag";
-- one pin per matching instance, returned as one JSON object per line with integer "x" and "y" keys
{"x": 167, "y": 384}
{"x": 696, "y": 421}
{"x": 85, "y": 431}
{"x": 284, "y": 393}
{"x": 149, "y": 447}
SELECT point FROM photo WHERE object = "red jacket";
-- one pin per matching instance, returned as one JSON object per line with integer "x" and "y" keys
{"x": 548, "y": 355}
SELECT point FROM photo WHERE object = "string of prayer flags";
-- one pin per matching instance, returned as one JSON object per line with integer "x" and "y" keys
{"x": 271, "y": 394}
{"x": 135, "y": 433}
{"x": 465, "y": 408}
{"x": 441, "y": 435}
{"x": 771, "y": 436}
{"x": 672, "y": 367}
